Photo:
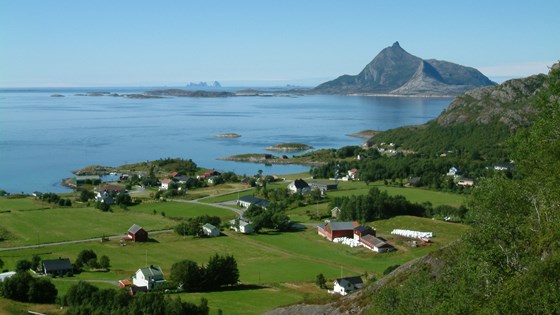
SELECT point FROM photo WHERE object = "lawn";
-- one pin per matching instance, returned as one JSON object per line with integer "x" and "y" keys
{"x": 17, "y": 204}
{"x": 181, "y": 210}
{"x": 64, "y": 224}
{"x": 417, "y": 195}
{"x": 229, "y": 197}
{"x": 275, "y": 268}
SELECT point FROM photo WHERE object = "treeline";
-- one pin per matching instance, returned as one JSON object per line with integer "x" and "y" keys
{"x": 399, "y": 168}
{"x": 190, "y": 277}
{"x": 23, "y": 287}
{"x": 508, "y": 263}
{"x": 273, "y": 217}
{"x": 193, "y": 226}
{"x": 378, "y": 205}
{"x": 55, "y": 199}
{"x": 84, "y": 298}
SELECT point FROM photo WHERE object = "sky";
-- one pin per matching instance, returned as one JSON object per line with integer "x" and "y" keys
{"x": 262, "y": 43}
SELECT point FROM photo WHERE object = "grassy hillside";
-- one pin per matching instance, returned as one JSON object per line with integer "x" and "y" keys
{"x": 478, "y": 121}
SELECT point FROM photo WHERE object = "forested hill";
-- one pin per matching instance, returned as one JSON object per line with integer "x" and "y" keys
{"x": 477, "y": 122}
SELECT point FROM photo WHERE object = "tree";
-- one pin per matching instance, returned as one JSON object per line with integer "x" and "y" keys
{"x": 35, "y": 261}
{"x": 1, "y": 264}
{"x": 86, "y": 257}
{"x": 42, "y": 290}
{"x": 221, "y": 270}
{"x": 104, "y": 262}
{"x": 79, "y": 293}
{"x": 187, "y": 274}
{"x": 320, "y": 281}
{"x": 23, "y": 265}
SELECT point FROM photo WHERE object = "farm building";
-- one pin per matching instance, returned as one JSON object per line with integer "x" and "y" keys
{"x": 210, "y": 230}
{"x": 323, "y": 187}
{"x": 148, "y": 277}
{"x": 361, "y": 231}
{"x": 376, "y": 244}
{"x": 137, "y": 234}
{"x": 299, "y": 186}
{"x": 247, "y": 201}
{"x": 332, "y": 230}
{"x": 60, "y": 266}
{"x": 165, "y": 183}
{"x": 343, "y": 286}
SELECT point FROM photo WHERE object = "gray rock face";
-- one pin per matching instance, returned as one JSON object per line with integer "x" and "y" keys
{"x": 395, "y": 71}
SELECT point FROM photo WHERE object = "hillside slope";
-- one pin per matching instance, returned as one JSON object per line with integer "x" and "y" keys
{"x": 477, "y": 121}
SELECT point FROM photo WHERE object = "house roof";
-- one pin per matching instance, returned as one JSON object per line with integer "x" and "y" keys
{"x": 57, "y": 264}
{"x": 255, "y": 201}
{"x": 153, "y": 272}
{"x": 209, "y": 226}
{"x": 362, "y": 228}
{"x": 375, "y": 241}
{"x": 300, "y": 183}
{"x": 338, "y": 226}
{"x": 134, "y": 229}
{"x": 356, "y": 280}
{"x": 166, "y": 181}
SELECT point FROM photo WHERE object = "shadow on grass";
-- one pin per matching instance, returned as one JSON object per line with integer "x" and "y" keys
{"x": 241, "y": 287}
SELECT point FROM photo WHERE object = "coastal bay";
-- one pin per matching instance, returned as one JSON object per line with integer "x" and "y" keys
{"x": 44, "y": 138}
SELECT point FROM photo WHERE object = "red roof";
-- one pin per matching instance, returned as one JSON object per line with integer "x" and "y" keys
{"x": 166, "y": 181}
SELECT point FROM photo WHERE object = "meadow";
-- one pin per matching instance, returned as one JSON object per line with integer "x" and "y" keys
{"x": 276, "y": 268}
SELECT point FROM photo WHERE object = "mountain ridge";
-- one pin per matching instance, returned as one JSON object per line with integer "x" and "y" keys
{"x": 395, "y": 71}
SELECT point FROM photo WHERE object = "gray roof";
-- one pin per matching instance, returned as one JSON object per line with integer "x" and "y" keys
{"x": 300, "y": 183}
{"x": 209, "y": 226}
{"x": 362, "y": 228}
{"x": 153, "y": 272}
{"x": 255, "y": 201}
{"x": 375, "y": 241}
{"x": 337, "y": 226}
{"x": 54, "y": 265}
{"x": 134, "y": 228}
{"x": 357, "y": 280}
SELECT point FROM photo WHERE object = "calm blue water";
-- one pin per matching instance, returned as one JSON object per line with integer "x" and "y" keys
{"x": 43, "y": 138}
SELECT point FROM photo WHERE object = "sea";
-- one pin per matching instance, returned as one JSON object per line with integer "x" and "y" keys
{"x": 44, "y": 138}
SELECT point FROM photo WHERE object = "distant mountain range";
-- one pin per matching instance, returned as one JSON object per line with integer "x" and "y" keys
{"x": 395, "y": 71}
{"x": 201, "y": 84}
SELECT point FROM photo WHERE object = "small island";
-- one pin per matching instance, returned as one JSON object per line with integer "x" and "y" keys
{"x": 57, "y": 95}
{"x": 289, "y": 147}
{"x": 228, "y": 135}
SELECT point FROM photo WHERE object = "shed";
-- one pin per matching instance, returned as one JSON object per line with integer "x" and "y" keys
{"x": 137, "y": 234}
{"x": 210, "y": 230}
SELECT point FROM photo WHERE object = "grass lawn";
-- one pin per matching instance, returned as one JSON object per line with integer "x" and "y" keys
{"x": 228, "y": 197}
{"x": 275, "y": 268}
{"x": 181, "y": 210}
{"x": 417, "y": 195}
{"x": 63, "y": 224}
{"x": 17, "y": 204}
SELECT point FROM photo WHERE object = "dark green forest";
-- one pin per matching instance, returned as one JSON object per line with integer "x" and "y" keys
{"x": 509, "y": 263}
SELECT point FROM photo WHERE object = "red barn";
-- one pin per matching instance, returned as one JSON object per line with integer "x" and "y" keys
{"x": 332, "y": 230}
{"x": 137, "y": 234}
{"x": 361, "y": 231}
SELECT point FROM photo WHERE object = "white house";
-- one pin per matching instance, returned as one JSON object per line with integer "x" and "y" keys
{"x": 453, "y": 171}
{"x": 299, "y": 186}
{"x": 149, "y": 277}
{"x": 376, "y": 244}
{"x": 210, "y": 230}
{"x": 165, "y": 183}
{"x": 247, "y": 201}
{"x": 241, "y": 226}
{"x": 343, "y": 286}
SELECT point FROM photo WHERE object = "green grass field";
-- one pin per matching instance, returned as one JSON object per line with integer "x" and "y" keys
{"x": 64, "y": 224}
{"x": 181, "y": 210}
{"x": 276, "y": 268}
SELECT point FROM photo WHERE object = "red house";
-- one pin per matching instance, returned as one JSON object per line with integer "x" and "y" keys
{"x": 137, "y": 234}
{"x": 332, "y": 230}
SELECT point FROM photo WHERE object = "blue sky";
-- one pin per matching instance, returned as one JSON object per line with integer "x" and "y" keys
{"x": 141, "y": 43}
